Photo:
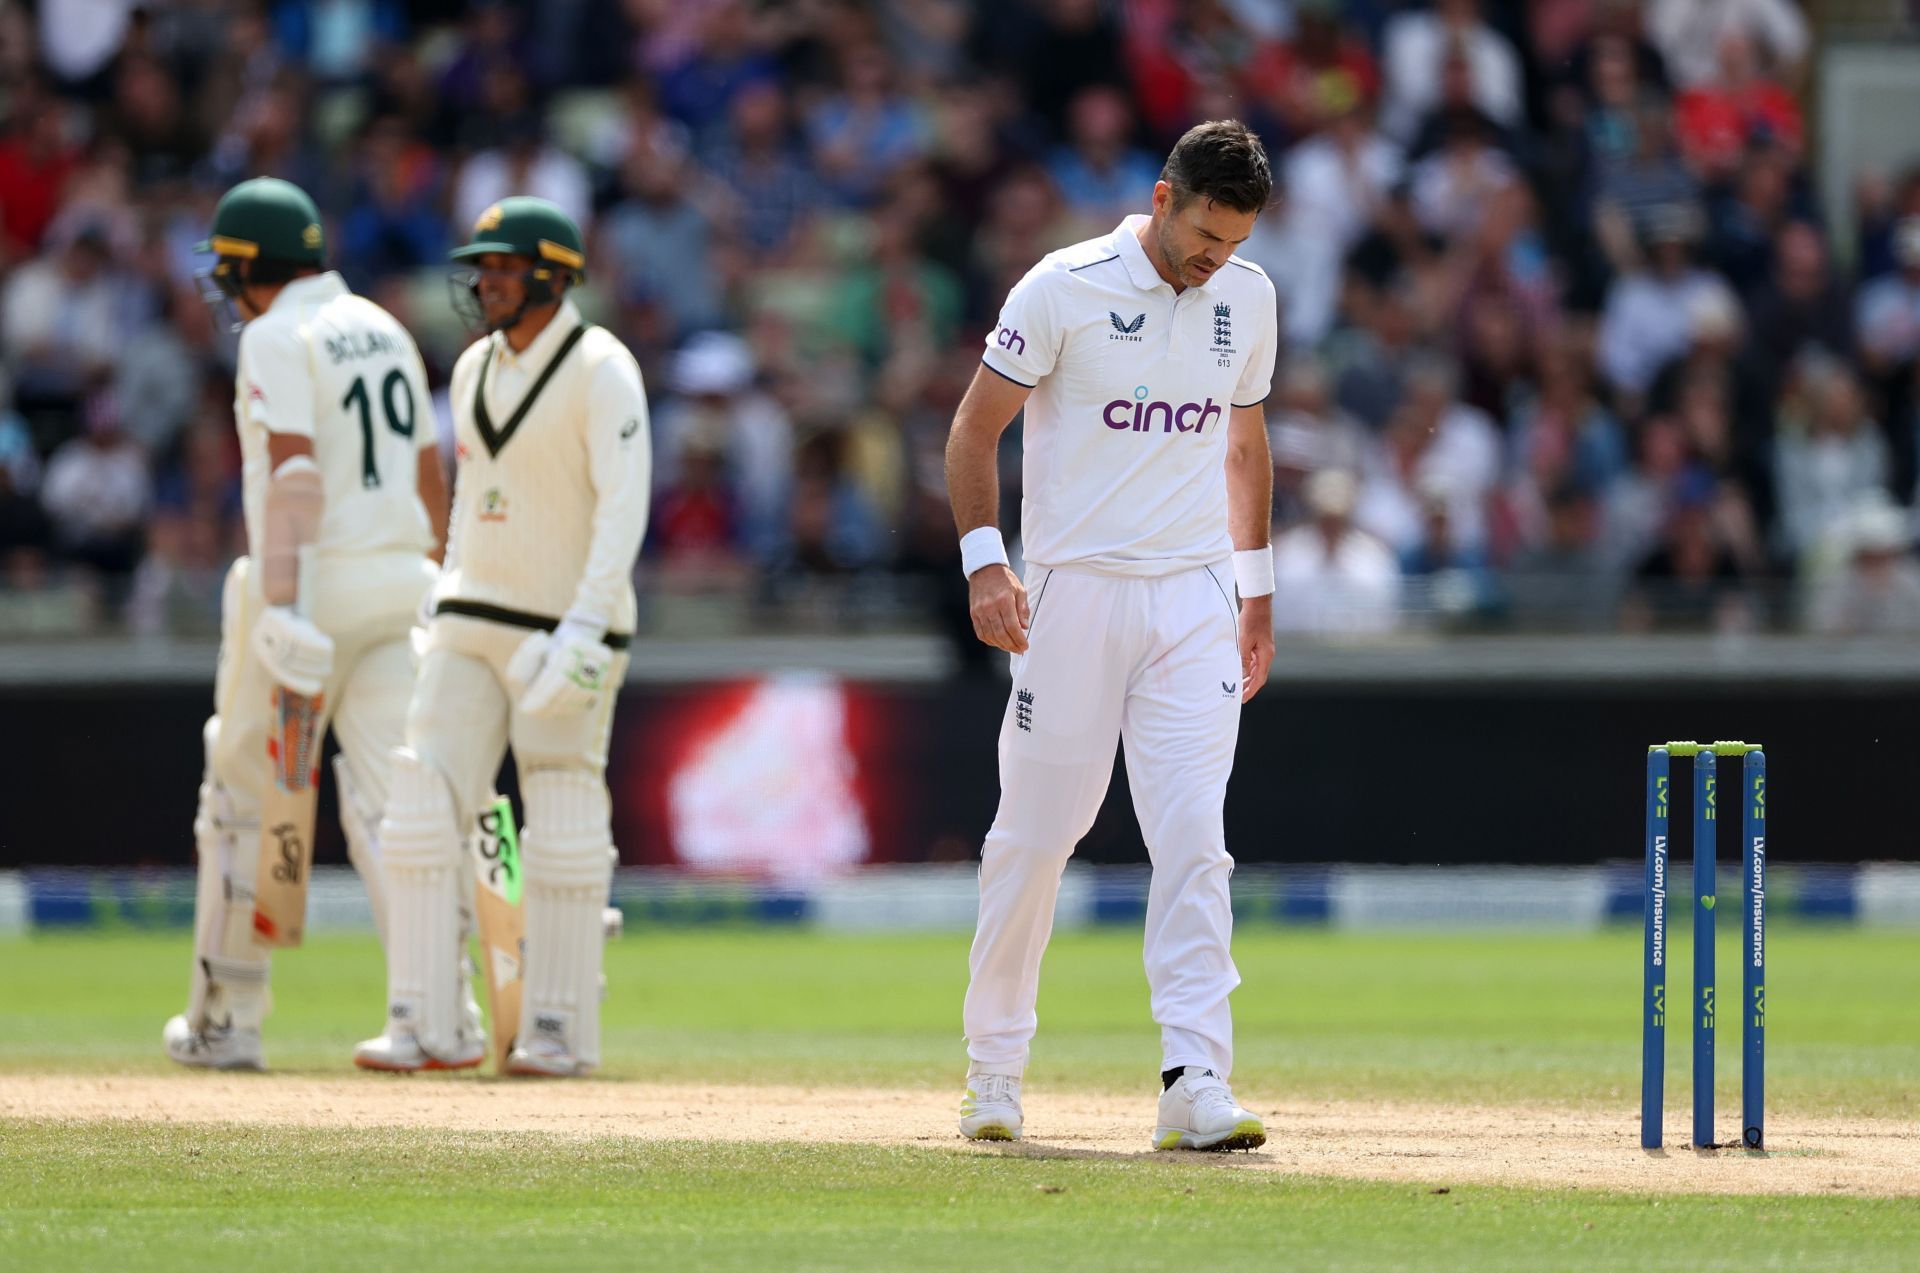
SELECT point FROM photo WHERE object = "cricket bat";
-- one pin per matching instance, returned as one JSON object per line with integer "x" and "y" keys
{"x": 495, "y": 845}
{"x": 286, "y": 815}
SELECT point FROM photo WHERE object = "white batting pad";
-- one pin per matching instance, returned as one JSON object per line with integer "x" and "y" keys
{"x": 569, "y": 869}
{"x": 420, "y": 851}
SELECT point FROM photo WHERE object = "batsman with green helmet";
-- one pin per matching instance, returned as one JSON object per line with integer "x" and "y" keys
{"x": 345, "y": 510}
{"x": 527, "y": 648}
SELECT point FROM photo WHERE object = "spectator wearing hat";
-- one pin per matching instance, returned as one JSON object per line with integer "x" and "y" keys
{"x": 1876, "y": 589}
{"x": 1330, "y": 578}
{"x": 1833, "y": 460}
{"x": 716, "y": 406}
{"x": 1714, "y": 331}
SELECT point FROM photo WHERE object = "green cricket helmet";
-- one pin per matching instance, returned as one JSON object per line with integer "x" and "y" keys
{"x": 267, "y": 219}
{"x": 523, "y": 226}
{"x": 264, "y": 231}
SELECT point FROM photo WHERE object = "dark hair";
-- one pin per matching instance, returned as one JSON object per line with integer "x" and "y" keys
{"x": 1221, "y": 160}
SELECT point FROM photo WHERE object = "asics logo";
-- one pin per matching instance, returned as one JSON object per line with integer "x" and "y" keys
{"x": 1140, "y": 415}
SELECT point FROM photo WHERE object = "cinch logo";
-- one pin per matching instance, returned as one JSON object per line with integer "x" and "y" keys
{"x": 1010, "y": 340}
{"x": 1138, "y": 415}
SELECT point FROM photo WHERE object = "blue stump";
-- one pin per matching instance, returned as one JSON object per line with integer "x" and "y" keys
{"x": 1653, "y": 1013}
{"x": 1753, "y": 953}
{"x": 1704, "y": 825}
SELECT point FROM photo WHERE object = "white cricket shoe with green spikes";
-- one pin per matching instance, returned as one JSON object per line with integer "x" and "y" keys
{"x": 1198, "y": 1112}
{"x": 991, "y": 1108}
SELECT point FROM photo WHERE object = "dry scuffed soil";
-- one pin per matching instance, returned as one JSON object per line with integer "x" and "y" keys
{"x": 1531, "y": 1146}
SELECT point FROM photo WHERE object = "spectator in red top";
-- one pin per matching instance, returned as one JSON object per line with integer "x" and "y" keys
{"x": 695, "y": 522}
{"x": 35, "y": 162}
{"x": 1716, "y": 122}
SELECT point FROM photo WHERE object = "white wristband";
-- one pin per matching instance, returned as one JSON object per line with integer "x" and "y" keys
{"x": 1253, "y": 572}
{"x": 982, "y": 547}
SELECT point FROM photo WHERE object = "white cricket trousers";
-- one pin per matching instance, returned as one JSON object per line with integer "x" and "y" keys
{"x": 1156, "y": 664}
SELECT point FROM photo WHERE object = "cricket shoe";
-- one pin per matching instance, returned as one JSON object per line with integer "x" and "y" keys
{"x": 1198, "y": 1112}
{"x": 991, "y": 1108}
{"x": 398, "y": 1050}
{"x": 546, "y": 1058}
{"x": 213, "y": 1047}
{"x": 402, "y": 1054}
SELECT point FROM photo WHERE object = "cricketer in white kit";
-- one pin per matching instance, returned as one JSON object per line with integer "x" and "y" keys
{"x": 339, "y": 466}
{"x": 526, "y": 648}
{"x": 1142, "y": 360}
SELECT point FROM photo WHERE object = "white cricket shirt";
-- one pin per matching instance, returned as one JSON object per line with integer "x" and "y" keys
{"x": 333, "y": 367}
{"x": 1126, "y": 429}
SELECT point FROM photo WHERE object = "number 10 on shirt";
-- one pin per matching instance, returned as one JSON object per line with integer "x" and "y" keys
{"x": 396, "y": 401}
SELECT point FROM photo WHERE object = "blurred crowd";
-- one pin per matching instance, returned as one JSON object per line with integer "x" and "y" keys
{"x": 1569, "y": 340}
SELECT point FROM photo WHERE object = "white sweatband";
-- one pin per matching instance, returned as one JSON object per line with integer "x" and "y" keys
{"x": 982, "y": 547}
{"x": 1253, "y": 572}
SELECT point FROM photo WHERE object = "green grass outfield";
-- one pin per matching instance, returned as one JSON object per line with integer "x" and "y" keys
{"x": 1439, "y": 1018}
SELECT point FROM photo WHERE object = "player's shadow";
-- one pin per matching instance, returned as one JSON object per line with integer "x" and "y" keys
{"x": 1039, "y": 1152}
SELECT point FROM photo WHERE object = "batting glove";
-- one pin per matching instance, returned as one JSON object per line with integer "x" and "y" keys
{"x": 563, "y": 674}
{"x": 295, "y": 653}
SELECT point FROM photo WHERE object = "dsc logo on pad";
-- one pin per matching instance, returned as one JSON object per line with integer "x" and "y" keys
{"x": 1139, "y": 415}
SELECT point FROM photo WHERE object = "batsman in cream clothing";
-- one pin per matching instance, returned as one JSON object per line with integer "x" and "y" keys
{"x": 338, "y": 465}
{"x": 1141, "y": 359}
{"x": 526, "y": 649}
